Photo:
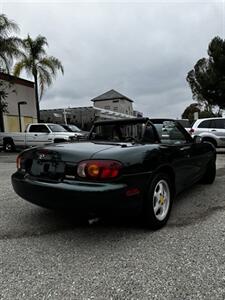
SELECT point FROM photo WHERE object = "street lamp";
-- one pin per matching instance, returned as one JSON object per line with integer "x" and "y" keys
{"x": 19, "y": 113}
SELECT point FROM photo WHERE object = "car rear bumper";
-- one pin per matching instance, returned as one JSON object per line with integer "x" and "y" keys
{"x": 81, "y": 196}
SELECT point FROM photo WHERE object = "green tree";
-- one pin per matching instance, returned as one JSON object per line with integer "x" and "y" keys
{"x": 203, "y": 112}
{"x": 207, "y": 79}
{"x": 189, "y": 111}
{"x": 9, "y": 45}
{"x": 35, "y": 61}
{"x": 3, "y": 103}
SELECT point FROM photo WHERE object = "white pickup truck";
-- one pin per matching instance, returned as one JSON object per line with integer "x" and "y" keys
{"x": 36, "y": 134}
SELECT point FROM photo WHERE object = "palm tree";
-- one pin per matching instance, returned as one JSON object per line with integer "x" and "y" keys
{"x": 36, "y": 63}
{"x": 9, "y": 45}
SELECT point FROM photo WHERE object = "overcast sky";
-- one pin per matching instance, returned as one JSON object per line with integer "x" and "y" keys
{"x": 141, "y": 49}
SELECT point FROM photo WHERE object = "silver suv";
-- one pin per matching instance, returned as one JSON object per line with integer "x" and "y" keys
{"x": 211, "y": 130}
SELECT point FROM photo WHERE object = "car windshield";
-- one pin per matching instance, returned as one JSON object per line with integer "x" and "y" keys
{"x": 57, "y": 128}
{"x": 118, "y": 132}
{"x": 74, "y": 128}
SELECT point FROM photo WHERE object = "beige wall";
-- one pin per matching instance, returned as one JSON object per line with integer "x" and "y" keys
{"x": 21, "y": 93}
{"x": 11, "y": 122}
{"x": 16, "y": 93}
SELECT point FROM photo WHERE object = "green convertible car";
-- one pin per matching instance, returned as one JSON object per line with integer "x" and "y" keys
{"x": 129, "y": 166}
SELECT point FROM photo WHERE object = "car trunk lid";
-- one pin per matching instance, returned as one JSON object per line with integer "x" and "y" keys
{"x": 56, "y": 161}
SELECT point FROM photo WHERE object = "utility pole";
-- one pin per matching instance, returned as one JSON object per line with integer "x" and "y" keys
{"x": 64, "y": 114}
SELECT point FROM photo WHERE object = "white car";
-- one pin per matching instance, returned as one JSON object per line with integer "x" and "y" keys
{"x": 36, "y": 134}
{"x": 81, "y": 134}
{"x": 211, "y": 130}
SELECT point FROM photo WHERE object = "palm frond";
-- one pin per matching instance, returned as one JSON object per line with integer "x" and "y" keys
{"x": 18, "y": 68}
{"x": 11, "y": 46}
{"x": 36, "y": 62}
{"x": 15, "y": 41}
{"x": 41, "y": 41}
{"x": 24, "y": 64}
{"x": 4, "y": 63}
{"x": 35, "y": 48}
{"x": 7, "y": 26}
{"x": 52, "y": 63}
{"x": 44, "y": 78}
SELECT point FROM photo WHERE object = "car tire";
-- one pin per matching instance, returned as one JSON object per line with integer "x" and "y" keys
{"x": 8, "y": 146}
{"x": 210, "y": 173}
{"x": 158, "y": 202}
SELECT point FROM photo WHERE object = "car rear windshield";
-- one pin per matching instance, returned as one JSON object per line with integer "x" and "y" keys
{"x": 117, "y": 132}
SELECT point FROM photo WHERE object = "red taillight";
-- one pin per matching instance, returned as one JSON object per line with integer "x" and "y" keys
{"x": 99, "y": 169}
{"x": 191, "y": 130}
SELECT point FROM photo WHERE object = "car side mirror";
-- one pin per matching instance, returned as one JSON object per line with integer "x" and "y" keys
{"x": 197, "y": 139}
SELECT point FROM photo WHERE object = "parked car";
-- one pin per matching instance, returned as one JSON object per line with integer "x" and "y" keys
{"x": 36, "y": 134}
{"x": 212, "y": 130}
{"x": 129, "y": 166}
{"x": 73, "y": 128}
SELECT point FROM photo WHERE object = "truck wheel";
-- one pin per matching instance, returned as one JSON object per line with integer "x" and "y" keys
{"x": 8, "y": 146}
{"x": 158, "y": 202}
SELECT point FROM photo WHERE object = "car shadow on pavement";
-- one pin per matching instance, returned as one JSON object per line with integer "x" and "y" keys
{"x": 32, "y": 221}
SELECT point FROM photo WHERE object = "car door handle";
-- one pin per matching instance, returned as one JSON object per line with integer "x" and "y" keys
{"x": 35, "y": 135}
{"x": 213, "y": 130}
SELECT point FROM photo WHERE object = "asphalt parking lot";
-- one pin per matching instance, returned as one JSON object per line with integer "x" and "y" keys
{"x": 45, "y": 255}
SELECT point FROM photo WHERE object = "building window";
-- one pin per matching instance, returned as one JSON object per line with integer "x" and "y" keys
{"x": 115, "y": 101}
{"x": 107, "y": 107}
{"x": 115, "y": 108}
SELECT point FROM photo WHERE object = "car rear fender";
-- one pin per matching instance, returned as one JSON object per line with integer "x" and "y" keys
{"x": 207, "y": 134}
{"x": 165, "y": 169}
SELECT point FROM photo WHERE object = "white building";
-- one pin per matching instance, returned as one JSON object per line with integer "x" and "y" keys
{"x": 83, "y": 117}
{"x": 112, "y": 100}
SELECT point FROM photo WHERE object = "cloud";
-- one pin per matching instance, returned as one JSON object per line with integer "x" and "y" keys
{"x": 143, "y": 50}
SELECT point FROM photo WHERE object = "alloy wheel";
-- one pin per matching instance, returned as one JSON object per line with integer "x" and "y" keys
{"x": 161, "y": 200}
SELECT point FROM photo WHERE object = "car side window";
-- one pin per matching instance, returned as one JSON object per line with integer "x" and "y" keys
{"x": 170, "y": 133}
{"x": 32, "y": 128}
{"x": 218, "y": 123}
{"x": 43, "y": 128}
{"x": 38, "y": 128}
{"x": 204, "y": 124}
